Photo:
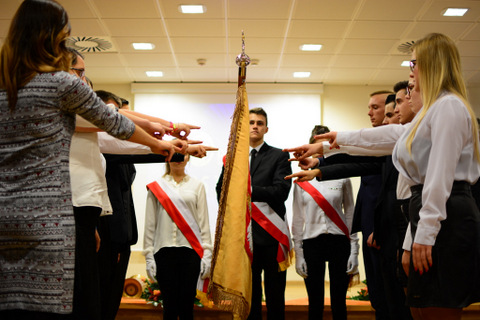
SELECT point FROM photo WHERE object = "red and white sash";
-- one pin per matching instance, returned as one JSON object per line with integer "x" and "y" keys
{"x": 266, "y": 217}
{"x": 330, "y": 211}
{"x": 181, "y": 215}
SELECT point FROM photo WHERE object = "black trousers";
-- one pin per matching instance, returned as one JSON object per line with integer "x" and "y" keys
{"x": 177, "y": 274}
{"x": 86, "y": 290}
{"x": 265, "y": 259}
{"x": 112, "y": 266}
{"x": 334, "y": 249}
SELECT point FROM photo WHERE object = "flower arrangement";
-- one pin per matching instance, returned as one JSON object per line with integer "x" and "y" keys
{"x": 362, "y": 294}
{"x": 152, "y": 293}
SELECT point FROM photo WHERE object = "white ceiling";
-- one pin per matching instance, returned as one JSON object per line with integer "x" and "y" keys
{"x": 360, "y": 38}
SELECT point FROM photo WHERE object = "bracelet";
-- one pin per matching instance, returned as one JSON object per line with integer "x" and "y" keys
{"x": 175, "y": 127}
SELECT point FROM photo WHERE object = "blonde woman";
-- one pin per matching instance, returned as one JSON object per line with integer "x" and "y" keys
{"x": 438, "y": 155}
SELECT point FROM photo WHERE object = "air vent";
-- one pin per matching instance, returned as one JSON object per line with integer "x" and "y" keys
{"x": 91, "y": 44}
{"x": 406, "y": 47}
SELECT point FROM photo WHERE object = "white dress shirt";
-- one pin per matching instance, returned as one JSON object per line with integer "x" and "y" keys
{"x": 161, "y": 231}
{"x": 309, "y": 220}
{"x": 87, "y": 170}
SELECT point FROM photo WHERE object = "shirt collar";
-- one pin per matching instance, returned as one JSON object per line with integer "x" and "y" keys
{"x": 257, "y": 147}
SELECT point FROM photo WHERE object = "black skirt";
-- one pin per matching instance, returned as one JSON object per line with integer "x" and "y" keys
{"x": 453, "y": 281}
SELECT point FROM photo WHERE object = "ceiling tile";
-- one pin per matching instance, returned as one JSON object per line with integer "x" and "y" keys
{"x": 255, "y": 45}
{"x": 87, "y": 27}
{"x": 196, "y": 28}
{"x": 329, "y": 46}
{"x": 254, "y": 9}
{"x": 306, "y": 60}
{"x": 104, "y": 59}
{"x": 451, "y": 29}
{"x": 436, "y": 9}
{"x": 135, "y": 27}
{"x": 169, "y": 75}
{"x": 124, "y": 9}
{"x": 388, "y": 10}
{"x": 108, "y": 75}
{"x": 367, "y": 46}
{"x": 325, "y": 9}
{"x": 78, "y": 9}
{"x": 149, "y": 60}
{"x": 257, "y": 28}
{"x": 215, "y": 9}
{"x": 203, "y": 74}
{"x": 124, "y": 44}
{"x": 198, "y": 45}
{"x": 190, "y": 60}
{"x": 358, "y": 61}
{"x": 473, "y": 34}
{"x": 317, "y": 29}
{"x": 469, "y": 48}
{"x": 377, "y": 29}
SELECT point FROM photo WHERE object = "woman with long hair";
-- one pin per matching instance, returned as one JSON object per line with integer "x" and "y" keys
{"x": 438, "y": 155}
{"x": 177, "y": 254}
{"x": 38, "y": 103}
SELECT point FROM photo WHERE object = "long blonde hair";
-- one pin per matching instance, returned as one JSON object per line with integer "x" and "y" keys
{"x": 439, "y": 70}
{"x": 35, "y": 43}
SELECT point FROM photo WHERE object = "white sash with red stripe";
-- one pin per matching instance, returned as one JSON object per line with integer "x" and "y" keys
{"x": 329, "y": 210}
{"x": 278, "y": 228}
{"x": 181, "y": 215}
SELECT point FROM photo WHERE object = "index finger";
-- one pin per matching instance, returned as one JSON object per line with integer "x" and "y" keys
{"x": 292, "y": 149}
{"x": 210, "y": 148}
{"x": 194, "y": 141}
{"x": 193, "y": 127}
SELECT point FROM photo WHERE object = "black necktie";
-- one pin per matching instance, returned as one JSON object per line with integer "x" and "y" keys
{"x": 253, "y": 155}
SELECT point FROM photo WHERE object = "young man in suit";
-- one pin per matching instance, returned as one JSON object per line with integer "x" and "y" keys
{"x": 268, "y": 167}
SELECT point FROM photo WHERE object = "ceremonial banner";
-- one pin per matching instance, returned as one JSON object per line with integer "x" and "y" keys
{"x": 231, "y": 278}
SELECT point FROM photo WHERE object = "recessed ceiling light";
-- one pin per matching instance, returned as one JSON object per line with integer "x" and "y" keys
{"x": 143, "y": 46}
{"x": 155, "y": 74}
{"x": 192, "y": 9}
{"x": 405, "y": 63}
{"x": 455, "y": 12}
{"x": 311, "y": 47}
{"x": 301, "y": 74}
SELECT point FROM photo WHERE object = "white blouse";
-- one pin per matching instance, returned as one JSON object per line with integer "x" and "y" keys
{"x": 442, "y": 152}
{"x": 161, "y": 231}
{"x": 310, "y": 221}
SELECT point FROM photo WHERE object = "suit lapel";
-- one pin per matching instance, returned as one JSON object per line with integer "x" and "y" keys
{"x": 259, "y": 157}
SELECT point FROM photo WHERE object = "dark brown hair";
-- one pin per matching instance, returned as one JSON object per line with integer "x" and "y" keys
{"x": 35, "y": 43}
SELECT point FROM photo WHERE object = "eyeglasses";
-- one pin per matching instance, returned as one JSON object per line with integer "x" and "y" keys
{"x": 409, "y": 89}
{"x": 79, "y": 72}
{"x": 413, "y": 63}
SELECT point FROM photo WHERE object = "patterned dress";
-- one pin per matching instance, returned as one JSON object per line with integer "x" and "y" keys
{"x": 37, "y": 230}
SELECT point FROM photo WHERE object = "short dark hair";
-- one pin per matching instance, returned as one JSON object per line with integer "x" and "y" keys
{"x": 390, "y": 99}
{"x": 380, "y": 92}
{"x": 318, "y": 129}
{"x": 260, "y": 112}
{"x": 400, "y": 86}
{"x": 106, "y": 95}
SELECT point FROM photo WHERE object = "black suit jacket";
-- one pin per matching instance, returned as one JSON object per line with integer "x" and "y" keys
{"x": 120, "y": 174}
{"x": 268, "y": 185}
